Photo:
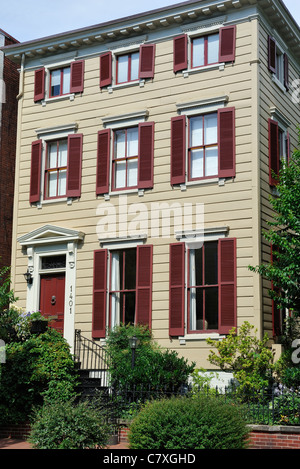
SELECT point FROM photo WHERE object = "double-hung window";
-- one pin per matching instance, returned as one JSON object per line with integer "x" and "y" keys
{"x": 125, "y": 158}
{"x": 56, "y": 162}
{"x": 59, "y": 82}
{"x": 203, "y": 146}
{"x": 202, "y": 287}
{"x": 127, "y": 67}
{"x": 278, "y": 63}
{"x": 279, "y": 149}
{"x": 122, "y": 287}
{"x": 205, "y": 50}
{"x": 122, "y": 292}
{"x": 56, "y": 169}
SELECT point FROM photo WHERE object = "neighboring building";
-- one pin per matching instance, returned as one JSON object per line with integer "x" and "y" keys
{"x": 9, "y": 87}
{"x": 129, "y": 125}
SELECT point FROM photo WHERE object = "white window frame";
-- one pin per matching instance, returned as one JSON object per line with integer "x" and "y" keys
{"x": 64, "y": 60}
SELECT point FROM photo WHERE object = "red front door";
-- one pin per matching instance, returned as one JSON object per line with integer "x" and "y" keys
{"x": 52, "y": 300}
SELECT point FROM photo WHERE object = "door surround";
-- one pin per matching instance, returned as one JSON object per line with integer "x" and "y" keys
{"x": 46, "y": 241}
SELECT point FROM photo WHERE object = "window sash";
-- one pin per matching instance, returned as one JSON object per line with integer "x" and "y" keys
{"x": 123, "y": 287}
{"x": 60, "y": 80}
{"x": 203, "y": 288}
{"x": 56, "y": 169}
{"x": 125, "y": 159}
{"x": 205, "y": 50}
{"x": 128, "y": 67}
{"x": 203, "y": 146}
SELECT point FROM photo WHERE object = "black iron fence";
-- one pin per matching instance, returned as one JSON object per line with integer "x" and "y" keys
{"x": 274, "y": 406}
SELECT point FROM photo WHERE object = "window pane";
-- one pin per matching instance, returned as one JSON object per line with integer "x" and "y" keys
{"x": 196, "y": 131}
{"x": 55, "y": 83}
{"x": 211, "y": 263}
{"x": 130, "y": 269}
{"x": 52, "y": 155}
{"x": 120, "y": 174}
{"x": 210, "y": 128}
{"x": 211, "y": 161}
{"x": 116, "y": 270}
{"x": 132, "y": 173}
{"x": 213, "y": 49}
{"x": 122, "y": 68}
{"x": 129, "y": 312}
{"x": 196, "y": 163}
{"x": 52, "y": 184}
{"x": 198, "y": 52}
{"x": 119, "y": 151}
{"x": 196, "y": 309}
{"x": 135, "y": 66}
{"x": 62, "y": 183}
{"x": 66, "y": 80}
{"x": 211, "y": 308}
{"x": 132, "y": 142}
{"x": 195, "y": 267}
{"x": 63, "y": 153}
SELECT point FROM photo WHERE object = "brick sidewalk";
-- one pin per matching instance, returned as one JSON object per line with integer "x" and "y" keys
{"x": 10, "y": 443}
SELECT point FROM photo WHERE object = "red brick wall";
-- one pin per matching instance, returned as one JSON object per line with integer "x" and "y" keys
{"x": 7, "y": 156}
{"x": 275, "y": 438}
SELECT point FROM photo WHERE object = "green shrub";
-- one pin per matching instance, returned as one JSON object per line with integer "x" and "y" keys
{"x": 66, "y": 425}
{"x": 40, "y": 368}
{"x": 204, "y": 422}
{"x": 154, "y": 367}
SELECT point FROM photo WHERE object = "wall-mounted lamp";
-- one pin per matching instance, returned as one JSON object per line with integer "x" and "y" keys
{"x": 28, "y": 277}
{"x": 133, "y": 344}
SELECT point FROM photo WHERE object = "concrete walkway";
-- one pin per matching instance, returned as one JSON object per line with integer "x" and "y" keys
{"x": 10, "y": 443}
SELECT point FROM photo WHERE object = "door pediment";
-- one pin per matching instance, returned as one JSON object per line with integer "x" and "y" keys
{"x": 50, "y": 234}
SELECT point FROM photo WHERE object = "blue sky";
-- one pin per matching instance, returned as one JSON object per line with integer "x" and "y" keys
{"x": 31, "y": 19}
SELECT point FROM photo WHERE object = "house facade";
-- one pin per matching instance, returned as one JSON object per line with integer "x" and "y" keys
{"x": 9, "y": 88}
{"x": 145, "y": 153}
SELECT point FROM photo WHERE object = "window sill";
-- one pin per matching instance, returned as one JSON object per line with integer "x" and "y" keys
{"x": 190, "y": 71}
{"x": 201, "y": 182}
{"x": 140, "y": 83}
{"x": 70, "y": 97}
{"x": 65, "y": 200}
{"x": 139, "y": 192}
{"x": 278, "y": 83}
{"x": 204, "y": 336}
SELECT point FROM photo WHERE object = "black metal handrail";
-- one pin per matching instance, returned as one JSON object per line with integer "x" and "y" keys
{"x": 88, "y": 354}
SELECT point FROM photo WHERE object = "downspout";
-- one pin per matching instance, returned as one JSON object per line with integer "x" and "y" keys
{"x": 20, "y": 98}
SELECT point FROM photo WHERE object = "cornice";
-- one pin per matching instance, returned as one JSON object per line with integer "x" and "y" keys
{"x": 163, "y": 18}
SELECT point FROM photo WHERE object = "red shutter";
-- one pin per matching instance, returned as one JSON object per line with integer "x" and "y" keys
{"x": 105, "y": 69}
{"x": 286, "y": 71}
{"x": 288, "y": 148}
{"x": 227, "y": 44}
{"x": 103, "y": 157}
{"x": 272, "y": 54}
{"x": 226, "y": 139}
{"x": 227, "y": 284}
{"x": 144, "y": 285}
{"x": 177, "y": 286}
{"x": 180, "y": 61}
{"x": 147, "y": 59}
{"x": 39, "y": 84}
{"x": 146, "y": 155}
{"x": 178, "y": 149}
{"x": 99, "y": 294}
{"x": 273, "y": 152}
{"x": 35, "y": 173}
{"x": 77, "y": 74}
{"x": 74, "y": 165}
